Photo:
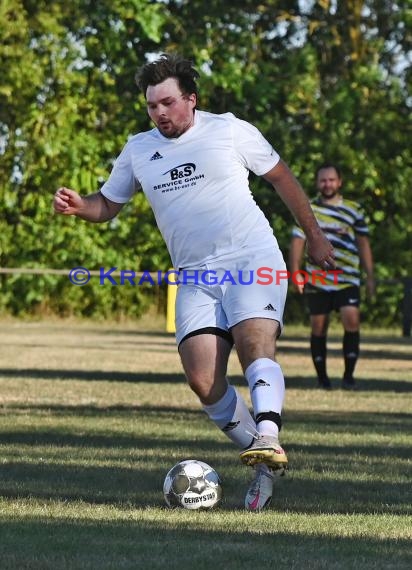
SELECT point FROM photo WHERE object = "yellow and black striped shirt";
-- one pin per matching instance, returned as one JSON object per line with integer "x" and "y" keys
{"x": 340, "y": 223}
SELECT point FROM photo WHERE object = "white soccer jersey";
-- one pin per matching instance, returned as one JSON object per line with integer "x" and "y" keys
{"x": 197, "y": 185}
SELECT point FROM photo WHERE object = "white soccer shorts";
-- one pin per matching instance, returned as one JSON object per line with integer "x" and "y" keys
{"x": 220, "y": 296}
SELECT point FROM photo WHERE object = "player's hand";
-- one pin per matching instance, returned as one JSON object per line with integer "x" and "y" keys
{"x": 296, "y": 285}
{"x": 299, "y": 286}
{"x": 67, "y": 202}
{"x": 321, "y": 251}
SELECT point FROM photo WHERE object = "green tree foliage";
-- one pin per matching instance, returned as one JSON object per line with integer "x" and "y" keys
{"x": 68, "y": 105}
{"x": 326, "y": 80}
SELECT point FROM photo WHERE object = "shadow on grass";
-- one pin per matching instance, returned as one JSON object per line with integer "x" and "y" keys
{"x": 140, "y": 486}
{"x": 179, "y": 378}
{"x": 285, "y": 347}
{"x": 203, "y": 433}
{"x": 157, "y": 545}
{"x": 56, "y": 463}
{"x": 147, "y": 346}
{"x": 364, "y": 385}
{"x": 365, "y": 353}
{"x": 93, "y": 375}
{"x": 344, "y": 422}
{"x": 329, "y": 421}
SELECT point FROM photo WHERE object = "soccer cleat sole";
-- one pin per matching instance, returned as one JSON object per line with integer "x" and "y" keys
{"x": 276, "y": 461}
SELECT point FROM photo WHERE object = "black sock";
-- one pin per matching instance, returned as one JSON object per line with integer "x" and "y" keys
{"x": 350, "y": 353}
{"x": 318, "y": 350}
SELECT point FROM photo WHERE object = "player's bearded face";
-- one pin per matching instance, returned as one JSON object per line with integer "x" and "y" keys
{"x": 328, "y": 182}
{"x": 170, "y": 110}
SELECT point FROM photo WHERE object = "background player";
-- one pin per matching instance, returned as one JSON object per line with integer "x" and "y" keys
{"x": 343, "y": 222}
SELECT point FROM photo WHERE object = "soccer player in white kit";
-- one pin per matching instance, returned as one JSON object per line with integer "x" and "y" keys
{"x": 193, "y": 168}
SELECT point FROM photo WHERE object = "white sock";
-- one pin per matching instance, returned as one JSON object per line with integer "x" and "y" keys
{"x": 232, "y": 416}
{"x": 267, "y": 392}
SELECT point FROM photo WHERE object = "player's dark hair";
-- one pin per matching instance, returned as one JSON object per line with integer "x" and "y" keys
{"x": 168, "y": 65}
{"x": 329, "y": 165}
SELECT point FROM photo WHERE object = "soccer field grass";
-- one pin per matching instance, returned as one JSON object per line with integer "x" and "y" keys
{"x": 92, "y": 416}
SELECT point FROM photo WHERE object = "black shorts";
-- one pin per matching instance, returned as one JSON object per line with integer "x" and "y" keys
{"x": 322, "y": 302}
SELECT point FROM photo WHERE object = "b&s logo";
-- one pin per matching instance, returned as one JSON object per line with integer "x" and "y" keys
{"x": 181, "y": 171}
{"x": 180, "y": 177}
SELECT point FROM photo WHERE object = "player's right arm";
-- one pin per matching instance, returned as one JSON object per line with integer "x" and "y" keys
{"x": 93, "y": 208}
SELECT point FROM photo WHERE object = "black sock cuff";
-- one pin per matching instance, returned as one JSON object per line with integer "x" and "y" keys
{"x": 318, "y": 344}
{"x": 352, "y": 334}
{"x": 271, "y": 416}
{"x": 351, "y": 341}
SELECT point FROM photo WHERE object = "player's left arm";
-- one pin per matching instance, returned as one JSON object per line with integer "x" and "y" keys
{"x": 291, "y": 192}
{"x": 366, "y": 259}
{"x": 296, "y": 251}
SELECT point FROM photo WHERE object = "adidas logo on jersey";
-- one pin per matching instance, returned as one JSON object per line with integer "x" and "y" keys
{"x": 269, "y": 307}
{"x": 156, "y": 156}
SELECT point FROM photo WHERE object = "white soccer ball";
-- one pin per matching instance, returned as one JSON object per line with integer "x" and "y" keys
{"x": 192, "y": 484}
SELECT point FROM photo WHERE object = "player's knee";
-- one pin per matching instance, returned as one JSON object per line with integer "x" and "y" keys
{"x": 207, "y": 388}
{"x": 319, "y": 327}
{"x": 254, "y": 349}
